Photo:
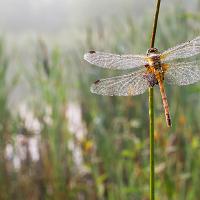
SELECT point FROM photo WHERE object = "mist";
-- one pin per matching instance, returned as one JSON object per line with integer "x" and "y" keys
{"x": 52, "y": 16}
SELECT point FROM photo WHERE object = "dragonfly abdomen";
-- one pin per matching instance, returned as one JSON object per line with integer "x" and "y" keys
{"x": 165, "y": 103}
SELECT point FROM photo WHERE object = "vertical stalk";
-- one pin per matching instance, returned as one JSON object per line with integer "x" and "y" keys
{"x": 151, "y": 110}
{"x": 151, "y": 137}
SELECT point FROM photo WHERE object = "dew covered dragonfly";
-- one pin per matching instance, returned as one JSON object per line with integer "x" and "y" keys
{"x": 151, "y": 69}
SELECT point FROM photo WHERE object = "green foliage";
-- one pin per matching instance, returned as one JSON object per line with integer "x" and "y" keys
{"x": 115, "y": 147}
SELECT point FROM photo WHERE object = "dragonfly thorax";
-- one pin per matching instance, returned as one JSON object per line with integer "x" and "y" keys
{"x": 154, "y": 58}
{"x": 154, "y": 61}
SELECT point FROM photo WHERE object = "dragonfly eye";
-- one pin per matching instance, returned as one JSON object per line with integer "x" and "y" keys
{"x": 152, "y": 50}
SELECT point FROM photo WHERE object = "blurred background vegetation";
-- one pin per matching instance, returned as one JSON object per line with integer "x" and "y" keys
{"x": 59, "y": 141}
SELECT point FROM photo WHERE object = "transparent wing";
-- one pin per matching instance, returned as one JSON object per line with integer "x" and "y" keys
{"x": 183, "y": 73}
{"x": 113, "y": 61}
{"x": 126, "y": 85}
{"x": 183, "y": 50}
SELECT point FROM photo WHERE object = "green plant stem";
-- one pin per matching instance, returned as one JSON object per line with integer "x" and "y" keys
{"x": 151, "y": 111}
{"x": 151, "y": 137}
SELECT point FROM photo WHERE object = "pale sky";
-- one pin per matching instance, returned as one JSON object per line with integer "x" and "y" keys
{"x": 56, "y": 15}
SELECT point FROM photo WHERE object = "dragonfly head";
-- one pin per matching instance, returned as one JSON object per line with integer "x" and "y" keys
{"x": 152, "y": 51}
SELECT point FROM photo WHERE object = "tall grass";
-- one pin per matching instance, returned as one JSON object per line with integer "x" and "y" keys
{"x": 114, "y": 149}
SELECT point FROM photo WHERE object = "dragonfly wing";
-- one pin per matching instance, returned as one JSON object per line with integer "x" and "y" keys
{"x": 126, "y": 85}
{"x": 114, "y": 61}
{"x": 183, "y": 73}
{"x": 184, "y": 50}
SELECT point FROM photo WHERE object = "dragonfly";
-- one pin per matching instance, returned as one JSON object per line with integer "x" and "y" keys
{"x": 171, "y": 66}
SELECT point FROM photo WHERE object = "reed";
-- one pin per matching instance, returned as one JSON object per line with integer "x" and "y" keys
{"x": 151, "y": 111}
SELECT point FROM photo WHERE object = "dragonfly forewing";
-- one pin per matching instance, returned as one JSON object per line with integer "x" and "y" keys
{"x": 114, "y": 61}
{"x": 126, "y": 85}
{"x": 184, "y": 50}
